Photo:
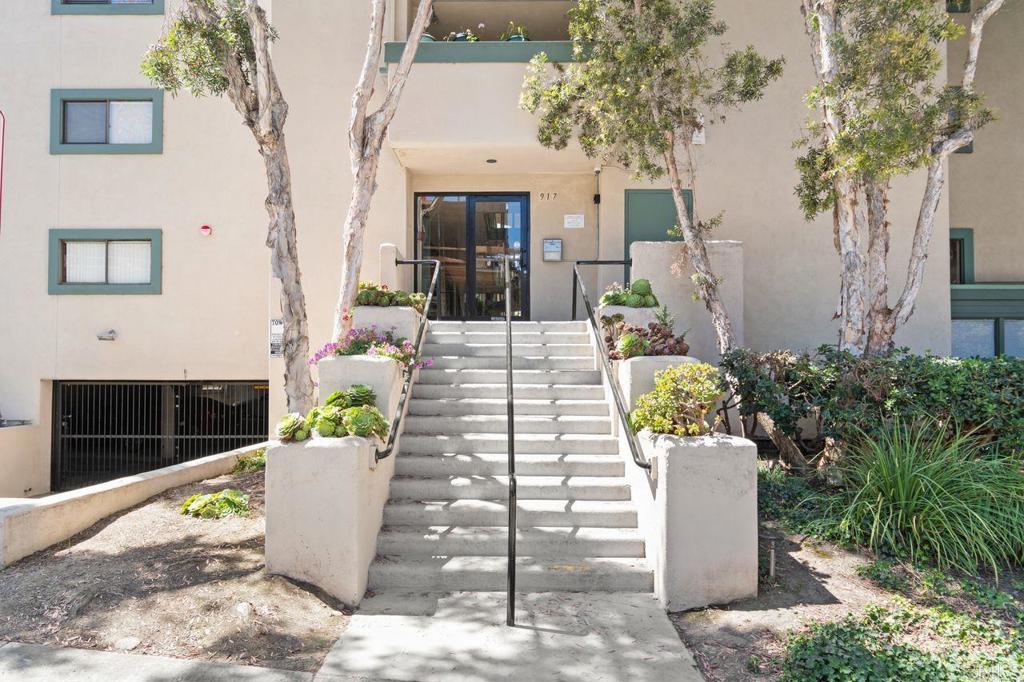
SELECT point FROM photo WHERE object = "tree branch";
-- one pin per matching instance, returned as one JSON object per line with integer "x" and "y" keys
{"x": 365, "y": 85}
{"x": 272, "y": 108}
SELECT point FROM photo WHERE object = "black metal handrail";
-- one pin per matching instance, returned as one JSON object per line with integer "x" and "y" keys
{"x": 510, "y": 616}
{"x": 407, "y": 384}
{"x": 620, "y": 403}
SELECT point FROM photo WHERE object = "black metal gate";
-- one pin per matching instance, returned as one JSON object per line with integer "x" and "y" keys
{"x": 104, "y": 430}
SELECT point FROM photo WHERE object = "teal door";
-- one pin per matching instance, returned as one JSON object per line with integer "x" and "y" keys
{"x": 650, "y": 214}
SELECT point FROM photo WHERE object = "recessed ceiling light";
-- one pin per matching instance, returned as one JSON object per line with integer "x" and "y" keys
{"x": 492, "y": 161}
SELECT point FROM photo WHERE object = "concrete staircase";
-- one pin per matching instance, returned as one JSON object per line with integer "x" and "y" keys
{"x": 445, "y": 526}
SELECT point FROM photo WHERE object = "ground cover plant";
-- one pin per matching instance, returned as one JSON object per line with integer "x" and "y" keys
{"x": 216, "y": 505}
{"x": 626, "y": 341}
{"x": 351, "y": 412}
{"x": 374, "y": 342}
{"x": 249, "y": 463}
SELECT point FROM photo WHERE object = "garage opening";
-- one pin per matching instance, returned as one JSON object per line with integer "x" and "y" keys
{"x": 105, "y": 430}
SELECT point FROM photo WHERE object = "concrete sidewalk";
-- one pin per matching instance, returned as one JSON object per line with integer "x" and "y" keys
{"x": 462, "y": 637}
{"x": 419, "y": 637}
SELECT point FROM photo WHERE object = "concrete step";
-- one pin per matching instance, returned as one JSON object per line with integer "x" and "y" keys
{"x": 538, "y": 443}
{"x": 552, "y": 542}
{"x": 458, "y": 377}
{"x": 546, "y": 513}
{"x": 518, "y": 362}
{"x": 532, "y": 575}
{"x": 497, "y": 391}
{"x": 433, "y": 349}
{"x": 491, "y": 464}
{"x": 494, "y": 423}
{"x": 497, "y": 337}
{"x": 496, "y": 488}
{"x": 563, "y": 327}
{"x": 499, "y": 406}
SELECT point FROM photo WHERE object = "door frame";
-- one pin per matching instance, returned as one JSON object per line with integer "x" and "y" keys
{"x": 471, "y": 197}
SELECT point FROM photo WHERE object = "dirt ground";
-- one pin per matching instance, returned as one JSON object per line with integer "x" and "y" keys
{"x": 814, "y": 582}
{"x": 152, "y": 581}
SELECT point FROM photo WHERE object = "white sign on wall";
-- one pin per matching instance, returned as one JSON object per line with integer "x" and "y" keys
{"x": 574, "y": 221}
{"x": 277, "y": 338}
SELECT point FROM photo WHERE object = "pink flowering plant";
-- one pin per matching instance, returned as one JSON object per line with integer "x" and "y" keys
{"x": 371, "y": 341}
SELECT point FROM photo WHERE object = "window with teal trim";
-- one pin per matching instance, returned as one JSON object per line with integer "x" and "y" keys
{"x": 106, "y": 6}
{"x": 105, "y": 261}
{"x": 118, "y": 121}
{"x": 961, "y": 256}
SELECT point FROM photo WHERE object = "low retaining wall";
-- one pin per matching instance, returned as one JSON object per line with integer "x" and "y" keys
{"x": 25, "y": 470}
{"x": 402, "y": 321}
{"x": 30, "y": 525}
{"x": 697, "y": 510}
{"x": 324, "y": 504}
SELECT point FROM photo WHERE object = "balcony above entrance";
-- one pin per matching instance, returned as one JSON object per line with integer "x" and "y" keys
{"x": 460, "y": 107}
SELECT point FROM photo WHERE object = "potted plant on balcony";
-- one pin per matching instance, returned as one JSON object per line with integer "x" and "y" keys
{"x": 515, "y": 33}
{"x": 466, "y": 35}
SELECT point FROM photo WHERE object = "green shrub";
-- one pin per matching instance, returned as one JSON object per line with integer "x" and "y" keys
{"x": 216, "y": 505}
{"x": 681, "y": 403}
{"x": 250, "y": 463}
{"x": 913, "y": 492}
{"x": 848, "y": 394}
{"x": 789, "y": 500}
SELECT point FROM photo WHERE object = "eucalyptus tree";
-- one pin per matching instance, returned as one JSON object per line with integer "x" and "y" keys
{"x": 366, "y": 133}
{"x": 882, "y": 110}
{"x": 642, "y": 83}
{"x": 218, "y": 47}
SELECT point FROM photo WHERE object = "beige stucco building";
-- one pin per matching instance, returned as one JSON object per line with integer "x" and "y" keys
{"x": 175, "y": 288}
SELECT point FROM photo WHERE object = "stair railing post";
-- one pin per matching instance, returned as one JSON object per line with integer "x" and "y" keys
{"x": 510, "y": 617}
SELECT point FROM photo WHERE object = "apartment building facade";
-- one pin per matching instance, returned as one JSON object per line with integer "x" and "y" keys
{"x": 135, "y": 279}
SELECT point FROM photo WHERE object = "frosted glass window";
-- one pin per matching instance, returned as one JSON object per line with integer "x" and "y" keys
{"x": 974, "y": 338}
{"x": 1013, "y": 338}
{"x": 130, "y": 123}
{"x": 85, "y": 262}
{"x": 85, "y": 122}
{"x": 128, "y": 262}
{"x": 111, "y": 262}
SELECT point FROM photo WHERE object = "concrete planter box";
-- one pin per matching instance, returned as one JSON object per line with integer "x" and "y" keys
{"x": 401, "y": 321}
{"x": 636, "y": 375}
{"x": 384, "y": 375}
{"x": 324, "y": 505}
{"x": 641, "y": 317}
{"x": 700, "y": 518}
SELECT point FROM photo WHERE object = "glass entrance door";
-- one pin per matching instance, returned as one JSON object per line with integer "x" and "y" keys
{"x": 470, "y": 234}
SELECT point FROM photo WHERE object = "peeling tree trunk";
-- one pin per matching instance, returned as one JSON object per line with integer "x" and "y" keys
{"x": 366, "y": 137}
{"x": 284, "y": 263}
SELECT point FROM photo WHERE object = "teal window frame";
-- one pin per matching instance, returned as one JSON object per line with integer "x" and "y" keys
{"x": 998, "y": 302}
{"x": 59, "y": 235}
{"x": 634, "y": 195}
{"x": 60, "y": 7}
{"x": 965, "y": 236}
{"x": 59, "y": 96}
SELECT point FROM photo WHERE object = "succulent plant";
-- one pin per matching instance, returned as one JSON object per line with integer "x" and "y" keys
{"x": 338, "y": 399}
{"x": 650, "y": 301}
{"x": 417, "y": 301}
{"x": 631, "y": 345}
{"x": 366, "y": 297}
{"x": 292, "y": 427}
{"x": 365, "y": 421}
{"x": 330, "y": 422}
{"x": 360, "y": 394}
{"x": 641, "y": 286}
{"x": 635, "y": 301}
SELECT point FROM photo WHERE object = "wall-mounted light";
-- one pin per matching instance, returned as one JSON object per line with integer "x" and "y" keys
{"x": 109, "y": 335}
{"x": 206, "y": 230}
{"x": 492, "y": 161}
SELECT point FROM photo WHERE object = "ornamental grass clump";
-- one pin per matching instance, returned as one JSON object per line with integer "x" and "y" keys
{"x": 915, "y": 492}
{"x": 216, "y": 505}
{"x": 681, "y": 403}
